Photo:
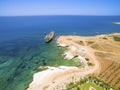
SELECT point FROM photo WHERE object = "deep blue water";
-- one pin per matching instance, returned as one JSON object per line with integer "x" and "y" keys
{"x": 22, "y": 47}
{"x": 13, "y": 27}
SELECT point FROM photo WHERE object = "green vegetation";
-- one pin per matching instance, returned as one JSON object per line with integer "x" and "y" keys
{"x": 90, "y": 42}
{"x": 116, "y": 38}
{"x": 81, "y": 43}
{"x": 71, "y": 85}
{"x": 90, "y": 64}
{"x": 87, "y": 59}
{"x": 87, "y": 83}
{"x": 105, "y": 38}
{"x": 76, "y": 62}
{"x": 86, "y": 86}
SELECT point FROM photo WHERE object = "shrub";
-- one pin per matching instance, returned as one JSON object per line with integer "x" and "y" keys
{"x": 116, "y": 38}
{"x": 90, "y": 64}
{"x": 87, "y": 59}
{"x": 104, "y": 38}
{"x": 91, "y": 42}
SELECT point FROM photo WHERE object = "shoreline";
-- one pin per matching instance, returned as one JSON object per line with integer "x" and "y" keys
{"x": 55, "y": 77}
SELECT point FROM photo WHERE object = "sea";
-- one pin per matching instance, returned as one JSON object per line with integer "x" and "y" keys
{"x": 23, "y": 50}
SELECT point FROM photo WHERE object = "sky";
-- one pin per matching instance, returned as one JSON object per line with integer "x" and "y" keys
{"x": 59, "y": 7}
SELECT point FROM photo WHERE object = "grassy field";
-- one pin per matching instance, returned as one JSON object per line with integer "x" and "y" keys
{"x": 87, "y": 86}
{"x": 88, "y": 83}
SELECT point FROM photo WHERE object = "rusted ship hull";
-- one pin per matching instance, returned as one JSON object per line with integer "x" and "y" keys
{"x": 49, "y": 37}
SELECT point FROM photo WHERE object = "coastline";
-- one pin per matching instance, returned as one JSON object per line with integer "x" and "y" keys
{"x": 58, "y": 77}
{"x": 23, "y": 50}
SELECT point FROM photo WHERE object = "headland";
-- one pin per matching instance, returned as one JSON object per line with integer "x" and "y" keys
{"x": 97, "y": 55}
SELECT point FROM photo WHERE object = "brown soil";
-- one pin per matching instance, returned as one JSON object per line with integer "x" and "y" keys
{"x": 107, "y": 52}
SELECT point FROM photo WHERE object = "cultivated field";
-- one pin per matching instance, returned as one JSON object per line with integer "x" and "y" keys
{"x": 107, "y": 51}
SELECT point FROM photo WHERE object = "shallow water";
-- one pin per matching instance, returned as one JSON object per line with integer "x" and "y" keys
{"x": 20, "y": 59}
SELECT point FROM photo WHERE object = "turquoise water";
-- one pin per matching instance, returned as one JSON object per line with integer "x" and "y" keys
{"x": 20, "y": 59}
{"x": 22, "y": 47}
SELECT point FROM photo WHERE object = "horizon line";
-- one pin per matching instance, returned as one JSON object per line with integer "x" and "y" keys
{"x": 52, "y": 15}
